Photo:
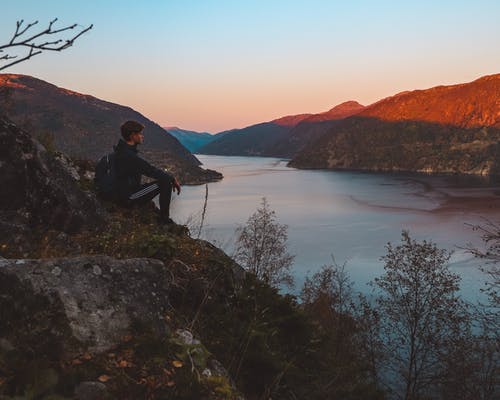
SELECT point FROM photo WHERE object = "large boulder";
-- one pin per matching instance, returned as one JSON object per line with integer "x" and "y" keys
{"x": 41, "y": 187}
{"x": 81, "y": 304}
{"x": 40, "y": 191}
{"x": 94, "y": 327}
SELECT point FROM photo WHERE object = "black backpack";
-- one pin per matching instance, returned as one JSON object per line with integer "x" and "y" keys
{"x": 105, "y": 175}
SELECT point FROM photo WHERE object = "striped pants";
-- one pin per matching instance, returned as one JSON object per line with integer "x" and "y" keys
{"x": 150, "y": 190}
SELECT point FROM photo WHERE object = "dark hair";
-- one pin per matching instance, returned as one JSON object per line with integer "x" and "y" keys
{"x": 130, "y": 127}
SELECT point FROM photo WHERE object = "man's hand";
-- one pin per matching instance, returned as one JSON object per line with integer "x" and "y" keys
{"x": 176, "y": 186}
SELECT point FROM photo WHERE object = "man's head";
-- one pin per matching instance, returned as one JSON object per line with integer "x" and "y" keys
{"x": 132, "y": 132}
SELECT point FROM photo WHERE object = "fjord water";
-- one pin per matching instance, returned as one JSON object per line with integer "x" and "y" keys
{"x": 348, "y": 215}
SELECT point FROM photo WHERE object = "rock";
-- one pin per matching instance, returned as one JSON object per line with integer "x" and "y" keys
{"x": 91, "y": 391}
{"x": 176, "y": 229}
{"x": 215, "y": 368}
{"x": 43, "y": 191}
{"x": 89, "y": 175}
{"x": 68, "y": 166}
{"x": 74, "y": 318}
{"x": 96, "y": 270}
{"x": 62, "y": 307}
{"x": 186, "y": 337}
{"x": 5, "y": 346}
{"x": 193, "y": 352}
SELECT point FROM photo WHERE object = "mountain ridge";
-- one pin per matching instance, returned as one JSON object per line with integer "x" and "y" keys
{"x": 86, "y": 127}
{"x": 268, "y": 138}
{"x": 250, "y": 141}
{"x": 427, "y": 104}
{"x": 436, "y": 105}
{"x": 310, "y": 129}
{"x": 447, "y": 129}
{"x": 191, "y": 140}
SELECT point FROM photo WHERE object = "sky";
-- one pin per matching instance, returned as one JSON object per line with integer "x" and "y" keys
{"x": 213, "y": 65}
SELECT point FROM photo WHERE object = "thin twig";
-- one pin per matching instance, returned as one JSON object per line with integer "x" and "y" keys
{"x": 204, "y": 300}
{"x": 34, "y": 47}
{"x": 203, "y": 212}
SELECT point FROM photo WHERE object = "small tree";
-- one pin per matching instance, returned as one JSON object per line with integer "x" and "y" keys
{"x": 472, "y": 364}
{"x": 328, "y": 296}
{"x": 330, "y": 292}
{"x": 484, "y": 356}
{"x": 490, "y": 253}
{"x": 36, "y": 42}
{"x": 261, "y": 247}
{"x": 420, "y": 313}
{"x": 344, "y": 368}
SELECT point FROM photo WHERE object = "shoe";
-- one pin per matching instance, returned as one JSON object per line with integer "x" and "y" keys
{"x": 165, "y": 221}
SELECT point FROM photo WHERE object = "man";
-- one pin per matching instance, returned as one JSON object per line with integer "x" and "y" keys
{"x": 129, "y": 168}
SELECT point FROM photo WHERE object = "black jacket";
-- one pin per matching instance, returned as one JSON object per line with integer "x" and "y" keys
{"x": 129, "y": 168}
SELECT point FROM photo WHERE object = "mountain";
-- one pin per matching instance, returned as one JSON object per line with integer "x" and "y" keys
{"x": 467, "y": 105}
{"x": 449, "y": 129}
{"x": 311, "y": 128}
{"x": 250, "y": 141}
{"x": 291, "y": 120}
{"x": 85, "y": 127}
{"x": 254, "y": 140}
{"x": 191, "y": 140}
{"x": 273, "y": 138}
{"x": 340, "y": 111}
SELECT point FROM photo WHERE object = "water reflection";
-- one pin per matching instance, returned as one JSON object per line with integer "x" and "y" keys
{"x": 351, "y": 215}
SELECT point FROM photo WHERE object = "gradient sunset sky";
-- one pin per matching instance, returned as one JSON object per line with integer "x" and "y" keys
{"x": 214, "y": 65}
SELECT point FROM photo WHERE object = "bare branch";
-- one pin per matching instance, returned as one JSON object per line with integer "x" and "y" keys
{"x": 489, "y": 232}
{"x": 35, "y": 47}
{"x": 7, "y": 57}
{"x": 32, "y": 53}
{"x": 19, "y": 23}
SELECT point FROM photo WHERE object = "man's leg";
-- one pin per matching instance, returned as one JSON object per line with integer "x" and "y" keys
{"x": 145, "y": 194}
{"x": 149, "y": 190}
{"x": 165, "y": 197}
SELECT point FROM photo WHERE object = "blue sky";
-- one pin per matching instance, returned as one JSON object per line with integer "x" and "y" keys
{"x": 214, "y": 65}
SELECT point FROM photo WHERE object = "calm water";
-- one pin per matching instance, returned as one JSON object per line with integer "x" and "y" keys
{"x": 348, "y": 215}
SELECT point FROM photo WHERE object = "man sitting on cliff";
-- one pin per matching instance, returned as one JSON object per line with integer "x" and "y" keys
{"x": 129, "y": 168}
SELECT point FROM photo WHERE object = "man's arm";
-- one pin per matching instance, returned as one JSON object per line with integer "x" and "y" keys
{"x": 176, "y": 186}
{"x": 147, "y": 169}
